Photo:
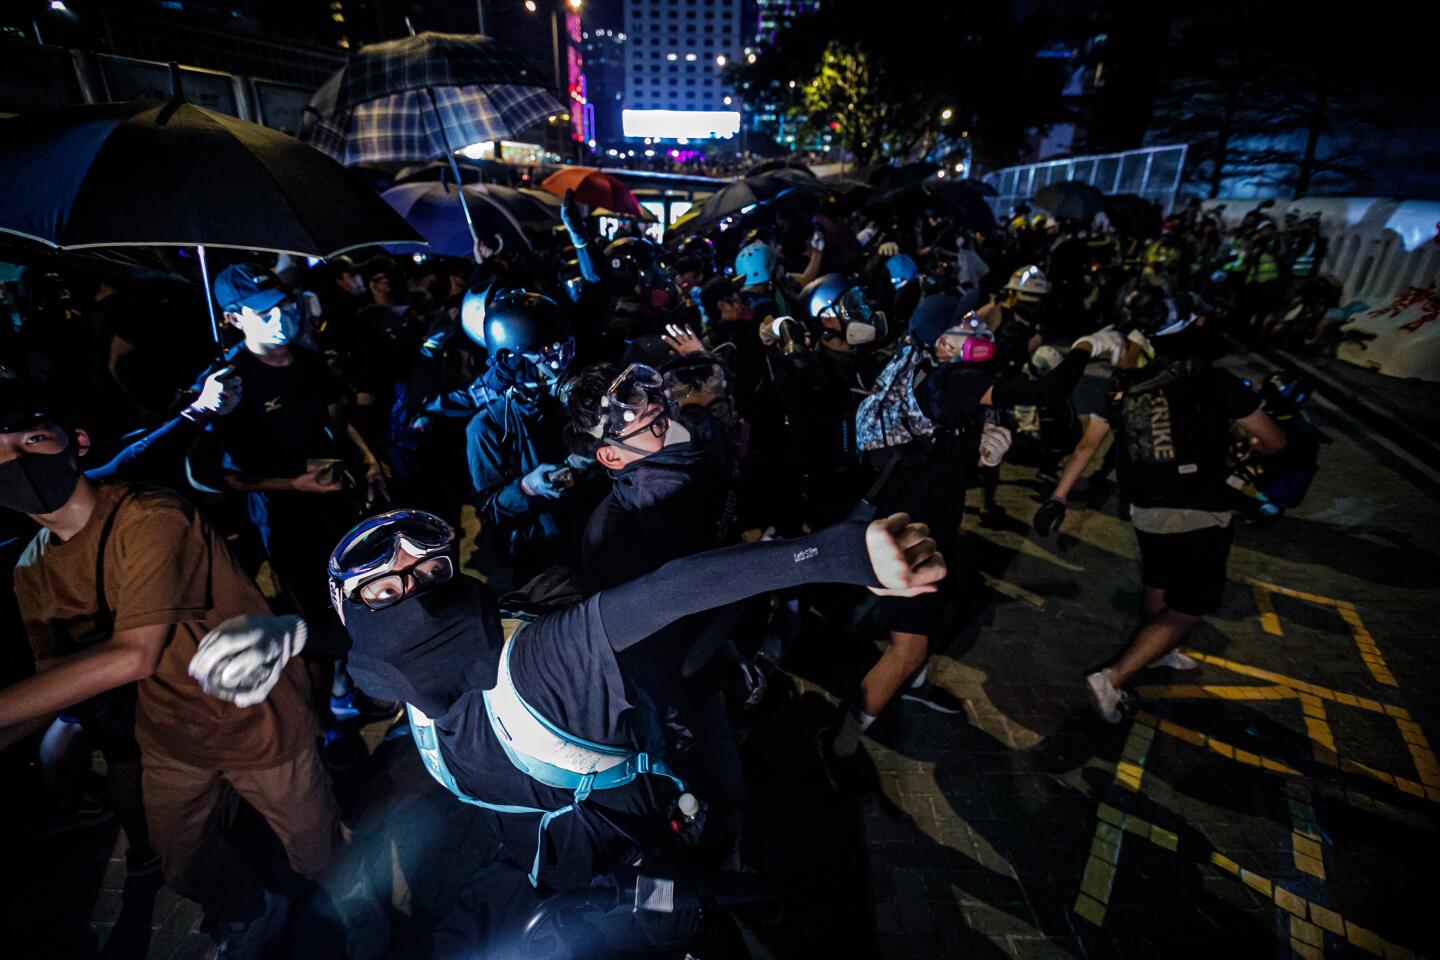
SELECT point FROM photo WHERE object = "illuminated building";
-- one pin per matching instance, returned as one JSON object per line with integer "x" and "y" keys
{"x": 674, "y": 54}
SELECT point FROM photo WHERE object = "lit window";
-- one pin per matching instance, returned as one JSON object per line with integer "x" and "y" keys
{"x": 671, "y": 56}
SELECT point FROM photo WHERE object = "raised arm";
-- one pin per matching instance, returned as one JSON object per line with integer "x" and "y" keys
{"x": 890, "y": 556}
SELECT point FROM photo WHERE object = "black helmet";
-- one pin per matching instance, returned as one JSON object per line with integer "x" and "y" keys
{"x": 636, "y": 261}
{"x": 698, "y": 248}
{"x": 521, "y": 322}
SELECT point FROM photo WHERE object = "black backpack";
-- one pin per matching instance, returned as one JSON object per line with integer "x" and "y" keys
{"x": 1172, "y": 440}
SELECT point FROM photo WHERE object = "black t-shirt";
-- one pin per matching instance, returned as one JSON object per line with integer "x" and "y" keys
{"x": 1173, "y": 450}
{"x": 283, "y": 418}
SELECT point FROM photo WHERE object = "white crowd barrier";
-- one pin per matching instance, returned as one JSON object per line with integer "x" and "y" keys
{"x": 1386, "y": 254}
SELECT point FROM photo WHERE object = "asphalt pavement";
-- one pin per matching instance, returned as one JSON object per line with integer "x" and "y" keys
{"x": 1279, "y": 801}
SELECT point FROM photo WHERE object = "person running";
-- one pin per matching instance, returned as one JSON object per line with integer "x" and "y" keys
{"x": 1172, "y": 418}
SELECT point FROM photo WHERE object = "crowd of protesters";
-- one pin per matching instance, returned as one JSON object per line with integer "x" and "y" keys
{"x": 611, "y": 411}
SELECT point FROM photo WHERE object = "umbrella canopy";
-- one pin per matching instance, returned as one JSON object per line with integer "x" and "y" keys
{"x": 965, "y": 204}
{"x": 894, "y": 184}
{"x": 781, "y": 165}
{"x": 432, "y": 208}
{"x": 593, "y": 187}
{"x": 1133, "y": 216}
{"x": 980, "y": 187}
{"x": 134, "y": 174}
{"x": 1070, "y": 200}
{"x": 740, "y": 195}
{"x": 424, "y": 96}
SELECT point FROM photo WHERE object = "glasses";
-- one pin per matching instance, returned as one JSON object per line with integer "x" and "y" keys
{"x": 389, "y": 589}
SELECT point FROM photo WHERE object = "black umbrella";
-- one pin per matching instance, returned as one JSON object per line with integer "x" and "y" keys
{"x": 781, "y": 165}
{"x": 178, "y": 175}
{"x": 980, "y": 187}
{"x": 739, "y": 196}
{"x": 1133, "y": 216}
{"x": 899, "y": 184}
{"x": 962, "y": 202}
{"x": 1070, "y": 200}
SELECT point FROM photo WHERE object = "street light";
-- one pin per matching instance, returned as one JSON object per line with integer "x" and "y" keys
{"x": 530, "y": 5}
{"x": 750, "y": 58}
{"x": 946, "y": 114}
{"x": 58, "y": 7}
{"x": 575, "y": 4}
{"x": 720, "y": 60}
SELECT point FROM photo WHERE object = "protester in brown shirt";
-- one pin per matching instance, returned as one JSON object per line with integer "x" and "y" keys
{"x": 164, "y": 580}
{"x": 163, "y": 566}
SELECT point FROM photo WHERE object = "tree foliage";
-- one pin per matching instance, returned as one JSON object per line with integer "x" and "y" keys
{"x": 879, "y": 82}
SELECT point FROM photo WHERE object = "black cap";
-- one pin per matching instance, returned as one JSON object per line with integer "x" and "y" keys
{"x": 248, "y": 285}
{"x": 22, "y": 405}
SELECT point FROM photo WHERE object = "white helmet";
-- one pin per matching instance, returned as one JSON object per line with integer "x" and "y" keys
{"x": 1029, "y": 283}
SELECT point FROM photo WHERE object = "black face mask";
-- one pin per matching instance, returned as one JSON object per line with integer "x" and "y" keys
{"x": 426, "y": 650}
{"x": 38, "y": 482}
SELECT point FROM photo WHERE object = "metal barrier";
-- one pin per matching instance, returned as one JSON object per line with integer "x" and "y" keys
{"x": 1151, "y": 172}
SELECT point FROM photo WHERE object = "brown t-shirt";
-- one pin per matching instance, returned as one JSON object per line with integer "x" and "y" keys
{"x": 163, "y": 565}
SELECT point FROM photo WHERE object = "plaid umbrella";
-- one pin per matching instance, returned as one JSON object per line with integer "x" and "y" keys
{"x": 423, "y": 96}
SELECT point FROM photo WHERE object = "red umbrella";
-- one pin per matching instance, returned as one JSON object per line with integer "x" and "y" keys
{"x": 594, "y": 188}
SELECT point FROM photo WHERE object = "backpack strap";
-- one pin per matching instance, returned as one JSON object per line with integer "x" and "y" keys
{"x": 104, "y": 616}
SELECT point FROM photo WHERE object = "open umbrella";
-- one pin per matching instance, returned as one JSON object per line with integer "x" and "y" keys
{"x": 178, "y": 175}
{"x": 1070, "y": 200}
{"x": 1133, "y": 216}
{"x": 965, "y": 204}
{"x": 980, "y": 187}
{"x": 433, "y": 209}
{"x": 593, "y": 187}
{"x": 424, "y": 96}
{"x": 781, "y": 165}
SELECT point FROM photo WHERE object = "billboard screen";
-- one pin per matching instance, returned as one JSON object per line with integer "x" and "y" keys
{"x": 678, "y": 124}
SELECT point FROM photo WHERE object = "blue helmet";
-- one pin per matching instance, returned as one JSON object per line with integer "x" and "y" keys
{"x": 838, "y": 296}
{"x": 756, "y": 263}
{"x": 901, "y": 269}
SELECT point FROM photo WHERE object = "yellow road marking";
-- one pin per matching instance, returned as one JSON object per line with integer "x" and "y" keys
{"x": 1364, "y": 642}
{"x": 1110, "y": 826}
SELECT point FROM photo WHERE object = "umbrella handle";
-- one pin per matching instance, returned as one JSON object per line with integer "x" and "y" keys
{"x": 454, "y": 167}
{"x": 209, "y": 299}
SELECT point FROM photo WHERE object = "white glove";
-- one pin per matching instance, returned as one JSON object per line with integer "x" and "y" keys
{"x": 1107, "y": 344}
{"x": 888, "y": 249}
{"x": 994, "y": 443}
{"x": 242, "y": 659}
{"x": 219, "y": 395}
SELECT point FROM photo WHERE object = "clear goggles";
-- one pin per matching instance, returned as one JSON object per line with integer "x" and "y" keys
{"x": 391, "y": 556}
{"x": 637, "y": 389}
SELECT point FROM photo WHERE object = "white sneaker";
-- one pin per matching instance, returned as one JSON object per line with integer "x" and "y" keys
{"x": 1175, "y": 660}
{"x": 1104, "y": 696}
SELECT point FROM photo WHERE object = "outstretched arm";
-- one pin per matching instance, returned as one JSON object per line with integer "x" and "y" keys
{"x": 890, "y": 556}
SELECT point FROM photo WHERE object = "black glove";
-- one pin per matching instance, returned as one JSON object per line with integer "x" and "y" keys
{"x": 1049, "y": 517}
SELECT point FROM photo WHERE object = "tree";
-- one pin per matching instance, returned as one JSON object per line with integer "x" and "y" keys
{"x": 880, "y": 81}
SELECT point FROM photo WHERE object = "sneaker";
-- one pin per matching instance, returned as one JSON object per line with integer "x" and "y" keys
{"x": 1175, "y": 660}
{"x": 852, "y": 777}
{"x": 244, "y": 940}
{"x": 1105, "y": 697}
{"x": 935, "y": 698}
